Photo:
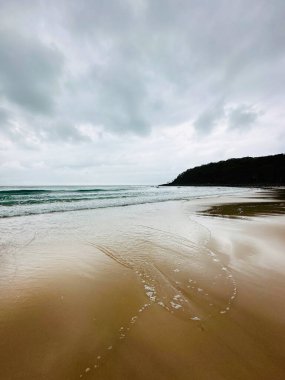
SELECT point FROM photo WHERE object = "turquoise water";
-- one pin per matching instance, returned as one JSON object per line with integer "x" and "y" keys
{"x": 20, "y": 201}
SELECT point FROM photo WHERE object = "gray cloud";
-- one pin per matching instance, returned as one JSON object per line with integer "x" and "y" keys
{"x": 89, "y": 16}
{"x": 115, "y": 96}
{"x": 29, "y": 72}
{"x": 238, "y": 117}
{"x": 62, "y": 132}
{"x": 3, "y": 117}
{"x": 209, "y": 118}
{"x": 242, "y": 116}
{"x": 147, "y": 63}
{"x": 160, "y": 63}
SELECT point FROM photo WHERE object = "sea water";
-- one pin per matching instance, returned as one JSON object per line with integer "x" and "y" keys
{"x": 20, "y": 201}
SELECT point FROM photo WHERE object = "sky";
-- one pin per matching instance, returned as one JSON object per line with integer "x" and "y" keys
{"x": 137, "y": 91}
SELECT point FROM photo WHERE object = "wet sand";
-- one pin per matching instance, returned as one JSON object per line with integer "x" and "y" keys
{"x": 174, "y": 290}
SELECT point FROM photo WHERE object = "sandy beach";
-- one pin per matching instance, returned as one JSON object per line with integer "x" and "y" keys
{"x": 171, "y": 290}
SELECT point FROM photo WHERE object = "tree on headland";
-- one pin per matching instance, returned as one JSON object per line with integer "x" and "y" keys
{"x": 247, "y": 171}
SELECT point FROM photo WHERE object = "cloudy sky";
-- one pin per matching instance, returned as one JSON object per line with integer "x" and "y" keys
{"x": 136, "y": 91}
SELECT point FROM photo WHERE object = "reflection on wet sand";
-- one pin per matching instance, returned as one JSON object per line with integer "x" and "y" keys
{"x": 143, "y": 292}
{"x": 267, "y": 202}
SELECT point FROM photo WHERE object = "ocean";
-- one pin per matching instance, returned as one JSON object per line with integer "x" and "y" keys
{"x": 22, "y": 201}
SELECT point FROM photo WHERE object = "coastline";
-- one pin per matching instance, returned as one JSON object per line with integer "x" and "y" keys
{"x": 167, "y": 290}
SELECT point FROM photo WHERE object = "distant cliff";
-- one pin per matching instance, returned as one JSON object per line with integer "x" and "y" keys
{"x": 247, "y": 171}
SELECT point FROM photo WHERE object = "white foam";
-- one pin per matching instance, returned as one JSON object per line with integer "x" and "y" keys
{"x": 175, "y": 305}
{"x": 151, "y": 296}
{"x": 147, "y": 287}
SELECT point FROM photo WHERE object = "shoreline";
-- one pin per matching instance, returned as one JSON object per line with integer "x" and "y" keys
{"x": 160, "y": 291}
{"x": 23, "y": 202}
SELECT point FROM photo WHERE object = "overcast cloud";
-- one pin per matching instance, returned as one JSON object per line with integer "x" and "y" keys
{"x": 136, "y": 91}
